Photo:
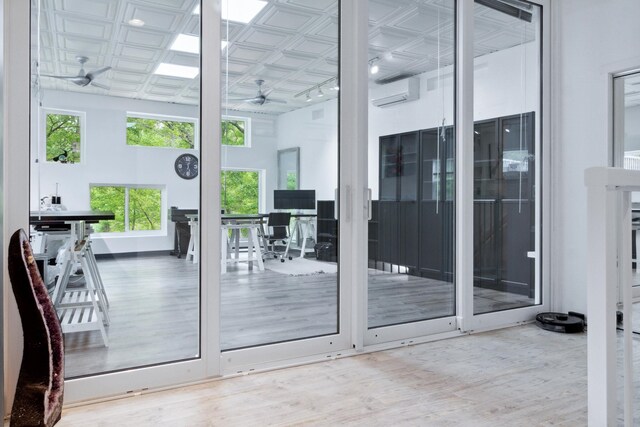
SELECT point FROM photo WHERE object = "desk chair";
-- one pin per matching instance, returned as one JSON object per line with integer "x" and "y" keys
{"x": 277, "y": 231}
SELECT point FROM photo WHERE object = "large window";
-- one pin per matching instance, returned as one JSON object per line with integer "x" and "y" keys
{"x": 240, "y": 191}
{"x": 161, "y": 132}
{"x": 63, "y": 136}
{"x": 135, "y": 208}
{"x": 235, "y": 131}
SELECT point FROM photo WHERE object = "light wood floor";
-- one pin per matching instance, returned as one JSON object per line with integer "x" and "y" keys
{"x": 154, "y": 310}
{"x": 520, "y": 376}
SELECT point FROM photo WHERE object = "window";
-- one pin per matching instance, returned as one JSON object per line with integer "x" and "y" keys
{"x": 236, "y": 131}
{"x": 63, "y": 136}
{"x": 135, "y": 208}
{"x": 240, "y": 191}
{"x": 161, "y": 132}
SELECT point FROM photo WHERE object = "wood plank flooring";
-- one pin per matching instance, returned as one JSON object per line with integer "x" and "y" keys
{"x": 154, "y": 310}
{"x": 521, "y": 376}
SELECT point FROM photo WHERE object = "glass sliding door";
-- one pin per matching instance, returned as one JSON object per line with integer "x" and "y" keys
{"x": 114, "y": 189}
{"x": 411, "y": 152}
{"x": 626, "y": 128}
{"x": 507, "y": 115}
{"x": 279, "y": 280}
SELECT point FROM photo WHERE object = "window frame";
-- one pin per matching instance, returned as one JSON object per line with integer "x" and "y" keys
{"x": 247, "y": 130}
{"x": 167, "y": 118}
{"x": 137, "y": 233}
{"x": 82, "y": 115}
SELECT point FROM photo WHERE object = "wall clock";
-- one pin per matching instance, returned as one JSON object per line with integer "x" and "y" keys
{"x": 187, "y": 166}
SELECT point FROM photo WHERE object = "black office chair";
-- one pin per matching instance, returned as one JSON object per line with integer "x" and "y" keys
{"x": 277, "y": 231}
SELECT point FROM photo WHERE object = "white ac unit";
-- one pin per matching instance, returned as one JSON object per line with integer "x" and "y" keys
{"x": 397, "y": 92}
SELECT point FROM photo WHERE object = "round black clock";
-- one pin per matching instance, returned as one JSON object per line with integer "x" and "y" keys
{"x": 187, "y": 166}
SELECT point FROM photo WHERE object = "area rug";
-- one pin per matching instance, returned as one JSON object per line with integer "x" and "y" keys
{"x": 301, "y": 267}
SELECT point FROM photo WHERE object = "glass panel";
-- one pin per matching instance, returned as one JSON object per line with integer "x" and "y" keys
{"x": 109, "y": 216}
{"x": 507, "y": 46}
{"x": 411, "y": 161}
{"x": 627, "y": 143}
{"x": 280, "y": 95}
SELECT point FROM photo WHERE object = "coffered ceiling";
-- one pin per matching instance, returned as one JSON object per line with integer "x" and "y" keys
{"x": 291, "y": 44}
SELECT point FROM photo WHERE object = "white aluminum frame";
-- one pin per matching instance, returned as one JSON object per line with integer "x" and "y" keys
{"x": 468, "y": 321}
{"x": 334, "y": 345}
{"x": 353, "y": 206}
{"x": 16, "y": 206}
{"x": 616, "y": 130}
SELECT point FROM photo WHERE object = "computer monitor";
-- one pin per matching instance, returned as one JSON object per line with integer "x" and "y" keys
{"x": 294, "y": 199}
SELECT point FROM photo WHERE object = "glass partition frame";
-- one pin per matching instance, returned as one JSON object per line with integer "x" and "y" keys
{"x": 353, "y": 205}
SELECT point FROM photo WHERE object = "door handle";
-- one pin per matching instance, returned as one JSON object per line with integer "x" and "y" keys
{"x": 369, "y": 204}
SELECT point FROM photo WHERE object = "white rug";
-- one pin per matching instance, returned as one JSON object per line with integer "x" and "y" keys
{"x": 301, "y": 267}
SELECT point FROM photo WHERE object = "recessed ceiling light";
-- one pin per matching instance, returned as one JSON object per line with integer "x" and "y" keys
{"x": 241, "y": 10}
{"x": 374, "y": 69}
{"x": 136, "y": 22}
{"x": 196, "y": 10}
{"x": 223, "y": 44}
{"x": 173, "y": 70}
{"x": 186, "y": 43}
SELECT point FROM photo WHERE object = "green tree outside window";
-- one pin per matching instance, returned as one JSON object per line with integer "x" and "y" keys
{"x": 239, "y": 192}
{"x": 160, "y": 133}
{"x": 144, "y": 213}
{"x": 233, "y": 132}
{"x": 63, "y": 138}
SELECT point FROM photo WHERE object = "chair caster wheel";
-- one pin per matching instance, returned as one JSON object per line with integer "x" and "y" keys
{"x": 275, "y": 256}
{"x": 290, "y": 258}
{"x": 282, "y": 260}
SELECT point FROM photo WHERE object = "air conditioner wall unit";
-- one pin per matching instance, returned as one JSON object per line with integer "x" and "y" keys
{"x": 395, "y": 93}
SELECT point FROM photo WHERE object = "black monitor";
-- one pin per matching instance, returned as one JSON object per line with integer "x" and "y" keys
{"x": 294, "y": 199}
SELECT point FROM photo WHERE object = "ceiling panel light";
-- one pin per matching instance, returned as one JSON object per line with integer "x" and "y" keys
{"x": 374, "y": 69}
{"x": 241, "y": 10}
{"x": 223, "y": 44}
{"x": 186, "y": 43}
{"x": 136, "y": 22}
{"x": 196, "y": 10}
{"x": 173, "y": 70}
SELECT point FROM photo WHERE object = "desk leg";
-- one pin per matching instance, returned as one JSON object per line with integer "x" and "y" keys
{"x": 250, "y": 253}
{"x": 224, "y": 246}
{"x": 236, "y": 239}
{"x": 253, "y": 236}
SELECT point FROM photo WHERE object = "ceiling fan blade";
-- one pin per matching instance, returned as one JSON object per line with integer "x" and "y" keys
{"x": 275, "y": 101}
{"x": 63, "y": 77}
{"x": 100, "y": 85}
{"x": 94, "y": 73}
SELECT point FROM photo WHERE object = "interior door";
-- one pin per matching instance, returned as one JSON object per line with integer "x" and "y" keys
{"x": 626, "y": 128}
{"x": 411, "y": 152}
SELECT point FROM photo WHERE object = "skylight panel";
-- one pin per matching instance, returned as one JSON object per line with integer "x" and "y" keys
{"x": 242, "y": 11}
{"x": 186, "y": 43}
{"x": 174, "y": 70}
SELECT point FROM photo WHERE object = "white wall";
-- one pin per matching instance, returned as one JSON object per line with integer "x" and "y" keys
{"x": 501, "y": 90}
{"x": 592, "y": 38}
{"x": 318, "y": 142}
{"x": 108, "y": 160}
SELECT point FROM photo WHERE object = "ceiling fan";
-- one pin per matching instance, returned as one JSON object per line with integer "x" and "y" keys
{"x": 83, "y": 78}
{"x": 261, "y": 97}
